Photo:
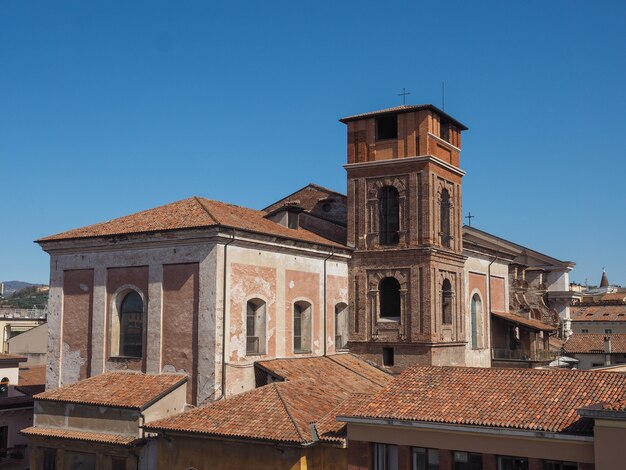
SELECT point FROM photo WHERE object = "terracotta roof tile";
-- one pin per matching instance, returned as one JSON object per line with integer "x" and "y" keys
{"x": 119, "y": 389}
{"x": 307, "y": 198}
{"x": 331, "y": 430}
{"x": 345, "y": 371}
{"x": 614, "y": 296}
{"x": 284, "y": 411}
{"x": 194, "y": 212}
{"x": 528, "y": 322}
{"x": 598, "y": 313}
{"x": 594, "y": 343}
{"x": 80, "y": 435}
{"x": 539, "y": 400}
{"x": 279, "y": 412}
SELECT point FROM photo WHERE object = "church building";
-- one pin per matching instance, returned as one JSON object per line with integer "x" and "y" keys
{"x": 387, "y": 272}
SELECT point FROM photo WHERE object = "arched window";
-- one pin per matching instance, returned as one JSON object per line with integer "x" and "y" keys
{"x": 388, "y": 215}
{"x": 341, "y": 326}
{"x": 444, "y": 217}
{"x": 131, "y": 325}
{"x": 446, "y": 302}
{"x": 389, "y": 298}
{"x": 476, "y": 313}
{"x": 301, "y": 327}
{"x": 255, "y": 327}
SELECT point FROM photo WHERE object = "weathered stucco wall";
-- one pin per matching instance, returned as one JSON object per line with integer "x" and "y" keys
{"x": 113, "y": 267}
{"x": 183, "y": 288}
{"x": 279, "y": 277}
{"x": 180, "y": 334}
{"x": 76, "y": 330}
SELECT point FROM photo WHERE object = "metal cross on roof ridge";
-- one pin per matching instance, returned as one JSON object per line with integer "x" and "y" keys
{"x": 403, "y": 95}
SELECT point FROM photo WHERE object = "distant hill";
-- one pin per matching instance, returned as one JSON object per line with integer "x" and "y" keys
{"x": 11, "y": 286}
{"x": 20, "y": 294}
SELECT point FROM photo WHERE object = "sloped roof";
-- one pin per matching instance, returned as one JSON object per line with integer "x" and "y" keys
{"x": 594, "y": 343}
{"x": 598, "y": 313}
{"x": 345, "y": 371}
{"x": 527, "y": 322}
{"x": 312, "y": 390}
{"x": 485, "y": 240}
{"x": 118, "y": 389}
{"x": 331, "y": 430}
{"x": 403, "y": 109}
{"x": 191, "y": 213}
{"x": 307, "y": 197}
{"x": 278, "y": 412}
{"x": 529, "y": 399}
{"x": 118, "y": 439}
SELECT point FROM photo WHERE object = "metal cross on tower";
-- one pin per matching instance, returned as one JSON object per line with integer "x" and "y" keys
{"x": 469, "y": 218}
{"x": 403, "y": 95}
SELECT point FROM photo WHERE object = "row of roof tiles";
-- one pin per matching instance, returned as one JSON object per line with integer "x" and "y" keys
{"x": 303, "y": 405}
{"x": 594, "y": 343}
{"x": 527, "y": 399}
{"x": 595, "y": 313}
{"x": 191, "y": 213}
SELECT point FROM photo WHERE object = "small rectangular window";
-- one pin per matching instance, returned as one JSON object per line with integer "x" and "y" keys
{"x": 556, "y": 465}
{"x": 424, "y": 459}
{"x": 48, "y": 459}
{"x": 608, "y": 331}
{"x": 468, "y": 461}
{"x": 387, "y": 127}
{"x": 388, "y": 356}
{"x": 385, "y": 457}
{"x": 512, "y": 463}
{"x": 584, "y": 330}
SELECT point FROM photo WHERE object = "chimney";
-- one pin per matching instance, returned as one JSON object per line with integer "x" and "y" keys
{"x": 607, "y": 350}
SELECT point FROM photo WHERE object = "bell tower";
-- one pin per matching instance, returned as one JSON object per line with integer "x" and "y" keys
{"x": 404, "y": 223}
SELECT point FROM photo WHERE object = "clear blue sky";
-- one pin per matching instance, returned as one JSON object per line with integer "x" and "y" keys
{"x": 107, "y": 108}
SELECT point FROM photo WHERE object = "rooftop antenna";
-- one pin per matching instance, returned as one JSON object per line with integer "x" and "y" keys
{"x": 443, "y": 96}
{"x": 403, "y": 95}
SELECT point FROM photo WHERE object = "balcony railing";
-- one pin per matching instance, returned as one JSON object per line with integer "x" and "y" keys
{"x": 523, "y": 355}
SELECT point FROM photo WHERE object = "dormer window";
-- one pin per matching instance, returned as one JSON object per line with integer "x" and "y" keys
{"x": 387, "y": 127}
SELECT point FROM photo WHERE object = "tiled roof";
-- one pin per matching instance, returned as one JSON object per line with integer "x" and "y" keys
{"x": 528, "y": 322}
{"x": 307, "y": 197}
{"x": 118, "y": 389}
{"x": 614, "y": 296}
{"x": 346, "y": 371}
{"x": 331, "y": 430}
{"x": 598, "y": 313}
{"x": 12, "y": 358}
{"x": 594, "y": 343}
{"x": 278, "y": 412}
{"x": 283, "y": 411}
{"x": 194, "y": 212}
{"x": 538, "y": 400}
{"x": 619, "y": 405}
{"x": 403, "y": 109}
{"x": 80, "y": 435}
